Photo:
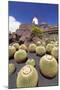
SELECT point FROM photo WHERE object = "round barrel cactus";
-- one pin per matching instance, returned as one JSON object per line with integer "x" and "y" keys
{"x": 27, "y": 77}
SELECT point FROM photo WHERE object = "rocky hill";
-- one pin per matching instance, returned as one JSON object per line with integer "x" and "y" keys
{"x": 45, "y": 26}
{"x": 24, "y": 33}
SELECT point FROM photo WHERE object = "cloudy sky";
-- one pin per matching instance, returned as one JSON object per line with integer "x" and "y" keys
{"x": 20, "y": 12}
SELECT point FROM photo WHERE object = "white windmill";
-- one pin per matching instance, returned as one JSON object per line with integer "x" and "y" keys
{"x": 35, "y": 21}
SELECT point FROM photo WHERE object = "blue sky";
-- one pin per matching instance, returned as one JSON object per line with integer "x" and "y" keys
{"x": 24, "y": 12}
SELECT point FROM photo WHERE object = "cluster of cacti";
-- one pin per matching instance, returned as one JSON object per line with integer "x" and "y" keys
{"x": 52, "y": 48}
{"x": 28, "y": 75}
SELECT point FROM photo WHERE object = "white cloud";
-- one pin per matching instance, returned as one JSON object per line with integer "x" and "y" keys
{"x": 13, "y": 24}
{"x": 35, "y": 20}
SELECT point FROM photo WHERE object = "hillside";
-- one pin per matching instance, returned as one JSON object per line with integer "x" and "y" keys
{"x": 25, "y": 35}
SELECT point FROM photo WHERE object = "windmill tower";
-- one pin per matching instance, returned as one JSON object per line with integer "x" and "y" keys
{"x": 35, "y": 21}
